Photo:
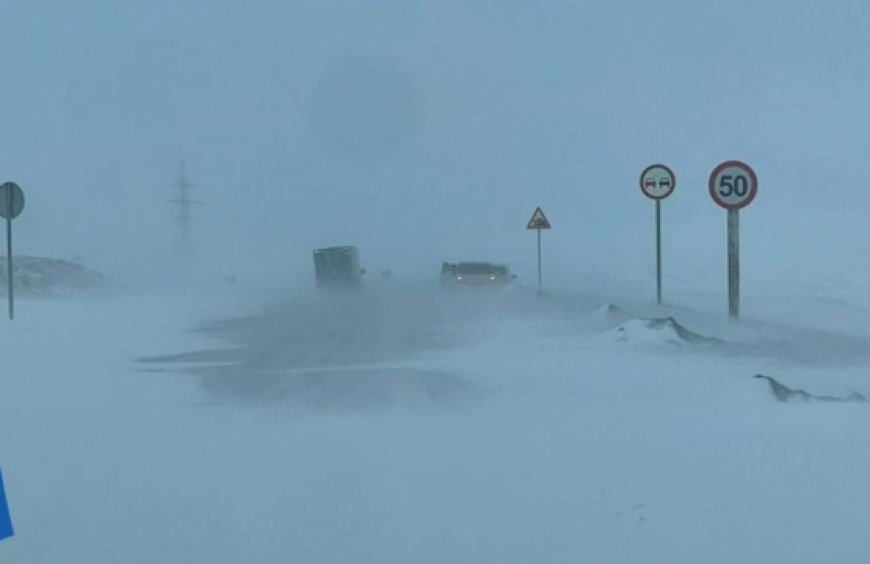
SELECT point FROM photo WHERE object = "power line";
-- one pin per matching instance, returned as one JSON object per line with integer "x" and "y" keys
{"x": 185, "y": 203}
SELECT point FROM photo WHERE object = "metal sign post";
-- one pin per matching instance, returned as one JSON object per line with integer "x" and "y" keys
{"x": 658, "y": 252}
{"x": 658, "y": 182}
{"x": 539, "y": 222}
{"x": 734, "y": 263}
{"x": 11, "y": 206}
{"x": 9, "y": 277}
{"x": 733, "y": 185}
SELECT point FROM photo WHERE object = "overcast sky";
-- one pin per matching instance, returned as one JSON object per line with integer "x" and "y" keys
{"x": 428, "y": 131}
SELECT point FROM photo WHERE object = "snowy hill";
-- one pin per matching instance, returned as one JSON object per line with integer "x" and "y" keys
{"x": 51, "y": 277}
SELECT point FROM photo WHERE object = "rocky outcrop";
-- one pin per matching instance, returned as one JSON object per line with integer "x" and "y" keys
{"x": 50, "y": 277}
{"x": 785, "y": 394}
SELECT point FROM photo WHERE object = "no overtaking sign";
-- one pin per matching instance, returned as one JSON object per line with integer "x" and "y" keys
{"x": 657, "y": 181}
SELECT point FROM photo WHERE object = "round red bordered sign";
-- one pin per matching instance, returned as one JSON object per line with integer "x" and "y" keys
{"x": 733, "y": 185}
{"x": 657, "y": 181}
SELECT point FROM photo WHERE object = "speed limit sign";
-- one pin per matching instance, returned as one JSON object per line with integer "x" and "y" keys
{"x": 733, "y": 185}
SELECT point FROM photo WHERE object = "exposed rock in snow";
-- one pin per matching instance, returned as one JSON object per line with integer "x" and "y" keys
{"x": 49, "y": 277}
{"x": 655, "y": 331}
{"x": 785, "y": 394}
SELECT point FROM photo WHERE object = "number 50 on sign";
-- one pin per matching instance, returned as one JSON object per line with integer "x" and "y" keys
{"x": 733, "y": 185}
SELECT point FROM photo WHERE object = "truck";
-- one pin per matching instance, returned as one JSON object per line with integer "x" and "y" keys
{"x": 338, "y": 268}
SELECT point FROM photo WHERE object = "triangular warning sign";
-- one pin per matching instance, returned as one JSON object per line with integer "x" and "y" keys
{"x": 539, "y": 220}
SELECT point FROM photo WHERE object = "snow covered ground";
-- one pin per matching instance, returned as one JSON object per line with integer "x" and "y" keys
{"x": 411, "y": 426}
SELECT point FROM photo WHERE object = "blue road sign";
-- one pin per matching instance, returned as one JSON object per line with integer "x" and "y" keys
{"x": 5, "y": 521}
